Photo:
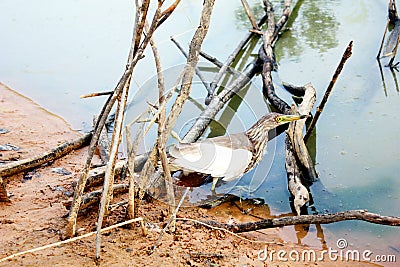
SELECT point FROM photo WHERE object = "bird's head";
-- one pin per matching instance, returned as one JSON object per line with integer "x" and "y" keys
{"x": 271, "y": 121}
{"x": 279, "y": 119}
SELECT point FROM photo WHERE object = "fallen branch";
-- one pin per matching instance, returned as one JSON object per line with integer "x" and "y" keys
{"x": 93, "y": 197}
{"x": 361, "y": 215}
{"x": 53, "y": 154}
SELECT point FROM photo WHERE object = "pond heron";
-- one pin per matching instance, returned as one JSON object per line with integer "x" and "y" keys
{"x": 227, "y": 157}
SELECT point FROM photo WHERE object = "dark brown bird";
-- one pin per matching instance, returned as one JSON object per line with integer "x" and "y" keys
{"x": 227, "y": 157}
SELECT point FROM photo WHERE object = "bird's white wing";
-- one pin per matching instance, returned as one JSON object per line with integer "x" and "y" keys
{"x": 210, "y": 157}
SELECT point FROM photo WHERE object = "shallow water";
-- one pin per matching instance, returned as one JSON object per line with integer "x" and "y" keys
{"x": 55, "y": 54}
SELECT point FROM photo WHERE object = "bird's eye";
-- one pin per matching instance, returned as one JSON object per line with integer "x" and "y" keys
{"x": 278, "y": 119}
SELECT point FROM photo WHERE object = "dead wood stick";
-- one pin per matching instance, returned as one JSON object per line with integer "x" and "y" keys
{"x": 295, "y": 134}
{"x": 392, "y": 10}
{"x": 383, "y": 40}
{"x": 167, "y": 12}
{"x": 97, "y": 94}
{"x": 283, "y": 19}
{"x": 187, "y": 77}
{"x": 94, "y": 197}
{"x": 107, "y": 193}
{"x": 250, "y": 15}
{"x": 361, "y": 215}
{"x": 297, "y": 153}
{"x": 198, "y": 72}
{"x": 295, "y": 186}
{"x": 197, "y": 222}
{"x": 328, "y": 91}
{"x": 162, "y": 139}
{"x": 192, "y": 60}
{"x": 35, "y": 161}
{"x": 394, "y": 52}
{"x": 103, "y": 145}
{"x": 266, "y": 55}
{"x": 231, "y": 58}
{"x": 135, "y": 54}
{"x": 132, "y": 147}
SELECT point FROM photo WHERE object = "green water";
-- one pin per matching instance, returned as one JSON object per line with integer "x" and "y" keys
{"x": 57, "y": 53}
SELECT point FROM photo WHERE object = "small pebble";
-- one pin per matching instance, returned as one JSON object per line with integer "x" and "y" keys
{"x": 61, "y": 171}
{"x": 9, "y": 147}
{"x": 68, "y": 193}
{"x": 29, "y": 175}
{"x": 3, "y": 131}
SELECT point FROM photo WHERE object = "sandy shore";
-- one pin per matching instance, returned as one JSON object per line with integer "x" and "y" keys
{"x": 33, "y": 218}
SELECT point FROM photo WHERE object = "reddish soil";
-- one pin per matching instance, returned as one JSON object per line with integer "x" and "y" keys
{"x": 33, "y": 218}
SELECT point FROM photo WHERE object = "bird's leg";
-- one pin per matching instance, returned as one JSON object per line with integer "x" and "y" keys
{"x": 214, "y": 183}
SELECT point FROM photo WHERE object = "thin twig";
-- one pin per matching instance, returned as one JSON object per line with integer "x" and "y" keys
{"x": 97, "y": 94}
{"x": 106, "y": 197}
{"x": 70, "y": 240}
{"x": 383, "y": 40}
{"x": 162, "y": 139}
{"x": 321, "y": 106}
{"x": 198, "y": 72}
{"x": 132, "y": 147}
{"x": 227, "y": 231}
{"x": 166, "y": 13}
{"x": 250, "y": 15}
{"x": 135, "y": 54}
{"x": 231, "y": 58}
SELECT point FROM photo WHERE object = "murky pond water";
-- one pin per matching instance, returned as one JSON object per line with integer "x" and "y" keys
{"x": 69, "y": 48}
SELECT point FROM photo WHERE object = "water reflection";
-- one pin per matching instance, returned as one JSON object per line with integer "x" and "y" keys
{"x": 312, "y": 25}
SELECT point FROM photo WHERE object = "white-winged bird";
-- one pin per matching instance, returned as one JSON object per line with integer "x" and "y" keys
{"x": 227, "y": 157}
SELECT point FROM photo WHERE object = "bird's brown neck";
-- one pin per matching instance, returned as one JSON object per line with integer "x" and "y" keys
{"x": 258, "y": 136}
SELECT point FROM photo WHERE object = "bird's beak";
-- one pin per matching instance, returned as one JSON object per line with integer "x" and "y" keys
{"x": 289, "y": 118}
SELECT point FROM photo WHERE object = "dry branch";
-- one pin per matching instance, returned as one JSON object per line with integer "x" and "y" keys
{"x": 347, "y": 53}
{"x": 231, "y": 58}
{"x": 53, "y": 154}
{"x": 107, "y": 194}
{"x": 103, "y": 144}
{"x": 198, "y": 72}
{"x": 187, "y": 77}
{"x": 135, "y": 54}
{"x": 297, "y": 153}
{"x": 162, "y": 139}
{"x": 361, "y": 215}
{"x": 295, "y": 134}
{"x": 250, "y": 15}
